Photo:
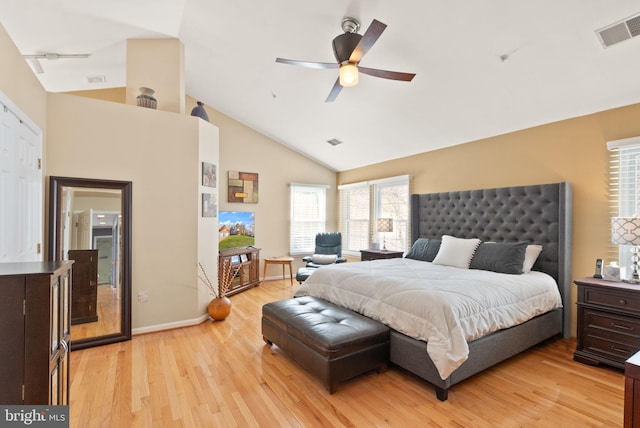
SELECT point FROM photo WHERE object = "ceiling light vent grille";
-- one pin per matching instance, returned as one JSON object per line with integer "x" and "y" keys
{"x": 334, "y": 141}
{"x": 620, "y": 31}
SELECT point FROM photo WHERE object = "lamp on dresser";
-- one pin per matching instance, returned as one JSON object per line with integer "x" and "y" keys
{"x": 626, "y": 231}
{"x": 384, "y": 225}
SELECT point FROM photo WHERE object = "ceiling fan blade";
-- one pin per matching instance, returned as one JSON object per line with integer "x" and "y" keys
{"x": 368, "y": 39}
{"x": 309, "y": 64}
{"x": 393, "y": 75}
{"x": 337, "y": 87}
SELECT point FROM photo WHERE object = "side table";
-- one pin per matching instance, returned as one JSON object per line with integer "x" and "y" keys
{"x": 279, "y": 261}
{"x": 608, "y": 322}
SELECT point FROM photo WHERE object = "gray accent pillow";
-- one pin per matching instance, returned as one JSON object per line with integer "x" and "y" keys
{"x": 424, "y": 249}
{"x": 501, "y": 257}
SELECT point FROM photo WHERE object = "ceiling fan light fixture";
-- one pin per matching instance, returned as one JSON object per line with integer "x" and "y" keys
{"x": 348, "y": 75}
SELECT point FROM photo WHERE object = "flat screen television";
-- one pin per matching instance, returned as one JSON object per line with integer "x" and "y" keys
{"x": 236, "y": 229}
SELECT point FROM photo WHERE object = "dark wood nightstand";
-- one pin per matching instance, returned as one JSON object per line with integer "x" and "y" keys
{"x": 608, "y": 321}
{"x": 380, "y": 254}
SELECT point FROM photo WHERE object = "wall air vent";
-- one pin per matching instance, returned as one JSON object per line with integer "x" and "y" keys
{"x": 334, "y": 141}
{"x": 620, "y": 31}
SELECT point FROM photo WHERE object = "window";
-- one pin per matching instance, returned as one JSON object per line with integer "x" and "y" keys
{"x": 624, "y": 191}
{"x": 361, "y": 204}
{"x": 355, "y": 212}
{"x": 308, "y": 216}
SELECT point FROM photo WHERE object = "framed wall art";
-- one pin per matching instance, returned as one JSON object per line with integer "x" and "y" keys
{"x": 209, "y": 206}
{"x": 243, "y": 187}
{"x": 208, "y": 174}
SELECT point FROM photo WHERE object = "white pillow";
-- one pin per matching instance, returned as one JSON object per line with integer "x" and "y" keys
{"x": 530, "y": 257}
{"x": 456, "y": 252}
{"x": 324, "y": 259}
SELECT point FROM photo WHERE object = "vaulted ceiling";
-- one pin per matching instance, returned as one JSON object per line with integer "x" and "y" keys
{"x": 483, "y": 67}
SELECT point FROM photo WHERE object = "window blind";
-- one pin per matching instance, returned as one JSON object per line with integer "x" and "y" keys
{"x": 624, "y": 190}
{"x": 354, "y": 217}
{"x": 361, "y": 204}
{"x": 308, "y": 208}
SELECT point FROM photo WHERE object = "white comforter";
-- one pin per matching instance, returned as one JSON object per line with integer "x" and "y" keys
{"x": 444, "y": 306}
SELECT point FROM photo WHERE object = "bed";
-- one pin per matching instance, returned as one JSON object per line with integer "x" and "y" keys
{"x": 536, "y": 214}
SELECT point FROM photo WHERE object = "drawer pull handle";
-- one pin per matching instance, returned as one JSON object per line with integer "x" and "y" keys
{"x": 622, "y": 302}
{"x": 622, "y": 327}
{"x": 613, "y": 348}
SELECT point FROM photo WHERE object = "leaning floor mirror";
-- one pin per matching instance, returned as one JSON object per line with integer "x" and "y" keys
{"x": 90, "y": 223}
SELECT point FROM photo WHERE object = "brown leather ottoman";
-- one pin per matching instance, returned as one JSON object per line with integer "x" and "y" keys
{"x": 332, "y": 343}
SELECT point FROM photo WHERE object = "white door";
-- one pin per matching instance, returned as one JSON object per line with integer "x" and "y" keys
{"x": 21, "y": 201}
{"x": 85, "y": 229}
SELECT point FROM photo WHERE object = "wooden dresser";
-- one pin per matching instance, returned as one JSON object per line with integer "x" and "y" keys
{"x": 608, "y": 322}
{"x": 35, "y": 324}
{"x": 84, "y": 299}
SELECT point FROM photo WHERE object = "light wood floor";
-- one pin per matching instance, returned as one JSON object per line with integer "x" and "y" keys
{"x": 108, "y": 310}
{"x": 221, "y": 374}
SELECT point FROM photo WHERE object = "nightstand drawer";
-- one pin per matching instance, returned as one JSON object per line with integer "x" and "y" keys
{"x": 612, "y": 323}
{"x": 611, "y": 349}
{"x": 617, "y": 300}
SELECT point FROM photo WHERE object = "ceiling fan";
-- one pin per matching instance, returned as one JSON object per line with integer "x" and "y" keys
{"x": 37, "y": 67}
{"x": 349, "y": 48}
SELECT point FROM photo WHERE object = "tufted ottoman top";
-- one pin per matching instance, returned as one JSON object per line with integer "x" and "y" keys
{"x": 328, "y": 329}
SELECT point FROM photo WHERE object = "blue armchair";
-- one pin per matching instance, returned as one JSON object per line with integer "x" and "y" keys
{"x": 328, "y": 250}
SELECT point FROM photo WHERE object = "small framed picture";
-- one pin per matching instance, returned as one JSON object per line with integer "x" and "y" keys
{"x": 209, "y": 207}
{"x": 208, "y": 174}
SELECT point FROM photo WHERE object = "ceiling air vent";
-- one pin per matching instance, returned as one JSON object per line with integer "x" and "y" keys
{"x": 620, "y": 31}
{"x": 96, "y": 79}
{"x": 334, "y": 141}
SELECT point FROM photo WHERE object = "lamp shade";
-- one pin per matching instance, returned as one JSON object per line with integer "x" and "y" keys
{"x": 348, "y": 75}
{"x": 625, "y": 230}
{"x": 385, "y": 225}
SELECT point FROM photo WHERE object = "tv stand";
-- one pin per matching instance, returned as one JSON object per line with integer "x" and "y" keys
{"x": 245, "y": 262}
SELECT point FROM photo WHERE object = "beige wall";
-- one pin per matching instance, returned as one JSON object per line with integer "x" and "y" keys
{"x": 157, "y": 64}
{"x": 572, "y": 150}
{"x": 243, "y": 149}
{"x": 19, "y": 84}
{"x": 159, "y": 152}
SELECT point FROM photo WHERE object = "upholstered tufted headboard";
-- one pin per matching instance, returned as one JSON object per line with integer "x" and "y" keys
{"x": 540, "y": 214}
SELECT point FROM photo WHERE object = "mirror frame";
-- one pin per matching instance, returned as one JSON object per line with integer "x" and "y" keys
{"x": 56, "y": 185}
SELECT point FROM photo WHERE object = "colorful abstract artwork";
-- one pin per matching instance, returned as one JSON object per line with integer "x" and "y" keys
{"x": 243, "y": 187}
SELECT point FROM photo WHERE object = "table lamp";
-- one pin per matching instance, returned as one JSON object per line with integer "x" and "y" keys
{"x": 626, "y": 231}
{"x": 385, "y": 225}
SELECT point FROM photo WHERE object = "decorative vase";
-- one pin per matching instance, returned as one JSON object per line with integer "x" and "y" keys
{"x": 200, "y": 112}
{"x": 145, "y": 99}
{"x": 219, "y": 308}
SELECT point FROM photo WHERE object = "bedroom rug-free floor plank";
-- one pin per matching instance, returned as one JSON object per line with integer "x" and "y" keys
{"x": 222, "y": 374}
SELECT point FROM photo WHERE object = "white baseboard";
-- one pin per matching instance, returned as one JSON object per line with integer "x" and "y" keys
{"x": 170, "y": 325}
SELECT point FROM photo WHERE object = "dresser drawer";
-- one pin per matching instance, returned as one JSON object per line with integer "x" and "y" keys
{"x": 613, "y": 324}
{"x": 629, "y": 302}
{"x": 607, "y": 348}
